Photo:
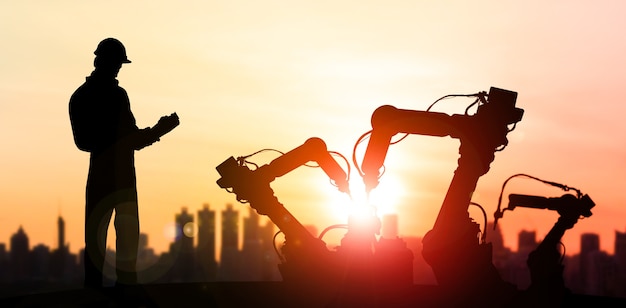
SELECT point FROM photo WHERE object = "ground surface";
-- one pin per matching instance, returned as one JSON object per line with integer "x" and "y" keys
{"x": 250, "y": 294}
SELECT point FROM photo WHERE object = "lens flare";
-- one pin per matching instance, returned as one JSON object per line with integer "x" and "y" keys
{"x": 189, "y": 229}
{"x": 170, "y": 231}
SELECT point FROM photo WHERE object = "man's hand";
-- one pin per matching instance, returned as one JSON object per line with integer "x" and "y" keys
{"x": 165, "y": 125}
{"x": 148, "y": 136}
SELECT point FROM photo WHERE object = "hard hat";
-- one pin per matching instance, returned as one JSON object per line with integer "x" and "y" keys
{"x": 113, "y": 49}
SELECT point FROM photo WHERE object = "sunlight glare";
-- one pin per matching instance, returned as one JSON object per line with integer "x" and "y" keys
{"x": 169, "y": 232}
{"x": 386, "y": 196}
{"x": 381, "y": 201}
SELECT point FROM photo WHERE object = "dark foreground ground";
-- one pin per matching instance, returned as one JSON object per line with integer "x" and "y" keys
{"x": 251, "y": 294}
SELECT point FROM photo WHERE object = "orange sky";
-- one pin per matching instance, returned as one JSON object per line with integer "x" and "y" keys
{"x": 244, "y": 76}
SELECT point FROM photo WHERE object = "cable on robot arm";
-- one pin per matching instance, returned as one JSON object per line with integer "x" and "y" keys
{"x": 280, "y": 256}
{"x": 483, "y": 236}
{"x": 479, "y": 95}
{"x": 354, "y": 161}
{"x": 321, "y": 236}
{"x": 471, "y": 105}
{"x": 401, "y": 138}
{"x": 360, "y": 140}
{"x": 334, "y": 153}
{"x": 243, "y": 160}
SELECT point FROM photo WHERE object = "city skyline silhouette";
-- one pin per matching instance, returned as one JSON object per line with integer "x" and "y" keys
{"x": 511, "y": 262}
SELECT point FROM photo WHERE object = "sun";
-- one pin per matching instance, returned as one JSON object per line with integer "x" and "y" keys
{"x": 382, "y": 200}
{"x": 387, "y": 195}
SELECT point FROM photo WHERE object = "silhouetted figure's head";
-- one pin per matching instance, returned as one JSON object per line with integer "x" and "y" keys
{"x": 110, "y": 55}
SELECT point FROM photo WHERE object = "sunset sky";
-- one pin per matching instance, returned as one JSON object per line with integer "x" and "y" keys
{"x": 249, "y": 75}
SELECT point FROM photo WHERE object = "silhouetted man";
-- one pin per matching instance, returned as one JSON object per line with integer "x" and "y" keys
{"x": 103, "y": 124}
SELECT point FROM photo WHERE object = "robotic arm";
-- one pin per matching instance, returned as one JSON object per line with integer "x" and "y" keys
{"x": 545, "y": 262}
{"x": 451, "y": 248}
{"x": 303, "y": 250}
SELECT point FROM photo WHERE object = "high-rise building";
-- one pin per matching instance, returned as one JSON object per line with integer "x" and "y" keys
{"x": 184, "y": 267}
{"x": 526, "y": 241}
{"x": 185, "y": 231}
{"x": 61, "y": 230}
{"x": 205, "y": 251}
{"x": 269, "y": 271}
{"x": 146, "y": 260}
{"x": 252, "y": 248}
{"x": 251, "y": 226}
{"x": 229, "y": 268}
{"x": 620, "y": 260}
{"x": 19, "y": 250}
{"x": 393, "y": 259}
{"x": 389, "y": 226}
{"x": 143, "y": 242}
{"x": 589, "y": 254}
{"x": 4, "y": 264}
{"x": 60, "y": 259}
{"x": 145, "y": 255}
{"x": 516, "y": 270}
{"x": 39, "y": 263}
{"x": 589, "y": 243}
